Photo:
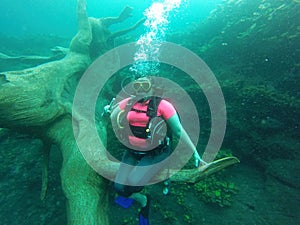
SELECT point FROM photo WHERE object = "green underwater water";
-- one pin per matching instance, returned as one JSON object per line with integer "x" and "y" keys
{"x": 252, "y": 47}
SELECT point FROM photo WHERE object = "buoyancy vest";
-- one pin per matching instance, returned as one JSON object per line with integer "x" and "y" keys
{"x": 156, "y": 131}
{"x": 141, "y": 131}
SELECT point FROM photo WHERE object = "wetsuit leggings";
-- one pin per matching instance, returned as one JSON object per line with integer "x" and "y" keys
{"x": 135, "y": 170}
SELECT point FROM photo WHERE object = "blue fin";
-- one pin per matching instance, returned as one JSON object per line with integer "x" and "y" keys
{"x": 143, "y": 220}
{"x": 144, "y": 213}
{"x": 124, "y": 202}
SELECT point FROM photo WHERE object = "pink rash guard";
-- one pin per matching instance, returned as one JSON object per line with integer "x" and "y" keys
{"x": 165, "y": 109}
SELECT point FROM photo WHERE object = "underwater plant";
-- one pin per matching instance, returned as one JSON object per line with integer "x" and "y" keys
{"x": 216, "y": 189}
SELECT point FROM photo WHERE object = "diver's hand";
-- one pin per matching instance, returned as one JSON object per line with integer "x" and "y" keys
{"x": 198, "y": 160}
{"x": 108, "y": 108}
{"x": 106, "y": 111}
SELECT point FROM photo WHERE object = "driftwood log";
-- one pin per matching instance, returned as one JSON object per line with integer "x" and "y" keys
{"x": 38, "y": 101}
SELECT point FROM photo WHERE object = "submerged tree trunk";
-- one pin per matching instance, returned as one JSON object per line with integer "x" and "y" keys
{"x": 85, "y": 190}
{"x": 38, "y": 100}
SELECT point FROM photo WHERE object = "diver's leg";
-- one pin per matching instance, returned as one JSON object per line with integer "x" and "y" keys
{"x": 140, "y": 198}
{"x": 148, "y": 167}
{"x": 128, "y": 161}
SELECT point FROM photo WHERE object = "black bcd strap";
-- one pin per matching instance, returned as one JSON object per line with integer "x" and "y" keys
{"x": 151, "y": 112}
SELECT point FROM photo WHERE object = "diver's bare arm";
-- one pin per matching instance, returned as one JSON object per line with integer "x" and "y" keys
{"x": 180, "y": 132}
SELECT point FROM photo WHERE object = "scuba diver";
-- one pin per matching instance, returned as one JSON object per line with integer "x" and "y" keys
{"x": 144, "y": 124}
